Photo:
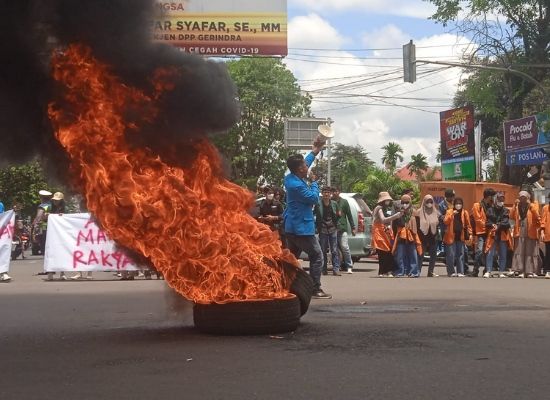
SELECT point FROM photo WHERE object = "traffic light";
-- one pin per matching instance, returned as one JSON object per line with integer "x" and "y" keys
{"x": 409, "y": 62}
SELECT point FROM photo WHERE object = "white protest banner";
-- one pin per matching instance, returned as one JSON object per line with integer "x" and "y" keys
{"x": 75, "y": 243}
{"x": 7, "y": 224}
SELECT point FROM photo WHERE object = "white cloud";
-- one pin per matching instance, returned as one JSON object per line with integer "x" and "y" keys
{"x": 360, "y": 118}
{"x": 405, "y": 8}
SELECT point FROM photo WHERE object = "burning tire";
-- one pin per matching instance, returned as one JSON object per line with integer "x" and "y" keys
{"x": 248, "y": 317}
{"x": 302, "y": 285}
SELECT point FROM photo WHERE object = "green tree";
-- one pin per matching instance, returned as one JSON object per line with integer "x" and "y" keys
{"x": 519, "y": 39}
{"x": 381, "y": 180}
{"x": 418, "y": 165}
{"x": 19, "y": 185}
{"x": 392, "y": 152}
{"x": 349, "y": 165}
{"x": 268, "y": 93}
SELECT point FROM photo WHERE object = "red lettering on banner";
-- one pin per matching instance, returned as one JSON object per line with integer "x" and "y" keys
{"x": 101, "y": 236}
{"x": 125, "y": 261}
{"x": 117, "y": 256}
{"x": 88, "y": 223}
{"x": 105, "y": 259}
{"x": 92, "y": 258}
{"x": 88, "y": 237}
{"x": 6, "y": 231}
{"x": 77, "y": 258}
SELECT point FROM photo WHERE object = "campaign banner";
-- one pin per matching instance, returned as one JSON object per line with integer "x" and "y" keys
{"x": 459, "y": 170}
{"x": 74, "y": 242}
{"x": 526, "y": 157}
{"x": 7, "y": 225}
{"x": 458, "y": 144}
{"x": 223, "y": 28}
{"x": 521, "y": 133}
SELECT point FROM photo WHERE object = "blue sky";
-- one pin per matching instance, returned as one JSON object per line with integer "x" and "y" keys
{"x": 401, "y": 112}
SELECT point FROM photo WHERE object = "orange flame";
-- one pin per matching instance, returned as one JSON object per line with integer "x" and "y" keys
{"x": 191, "y": 223}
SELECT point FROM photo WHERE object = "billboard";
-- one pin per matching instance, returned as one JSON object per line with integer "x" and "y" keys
{"x": 458, "y": 144}
{"x": 521, "y": 133}
{"x": 221, "y": 28}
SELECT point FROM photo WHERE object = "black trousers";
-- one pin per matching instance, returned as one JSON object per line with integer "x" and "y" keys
{"x": 386, "y": 262}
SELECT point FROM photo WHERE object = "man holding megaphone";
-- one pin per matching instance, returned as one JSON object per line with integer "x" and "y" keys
{"x": 298, "y": 217}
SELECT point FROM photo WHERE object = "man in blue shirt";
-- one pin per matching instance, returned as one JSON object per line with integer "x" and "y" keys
{"x": 298, "y": 216}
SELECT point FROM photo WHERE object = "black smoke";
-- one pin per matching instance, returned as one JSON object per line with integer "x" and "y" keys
{"x": 118, "y": 32}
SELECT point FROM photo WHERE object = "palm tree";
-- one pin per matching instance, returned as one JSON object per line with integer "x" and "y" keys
{"x": 392, "y": 152}
{"x": 418, "y": 165}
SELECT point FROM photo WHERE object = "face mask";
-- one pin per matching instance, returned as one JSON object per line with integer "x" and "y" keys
{"x": 270, "y": 196}
{"x": 500, "y": 203}
{"x": 458, "y": 206}
{"x": 429, "y": 205}
{"x": 387, "y": 203}
{"x": 406, "y": 206}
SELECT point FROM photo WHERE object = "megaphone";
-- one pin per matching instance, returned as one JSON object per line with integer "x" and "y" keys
{"x": 326, "y": 131}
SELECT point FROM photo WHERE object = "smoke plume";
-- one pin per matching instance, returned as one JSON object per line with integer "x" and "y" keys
{"x": 203, "y": 100}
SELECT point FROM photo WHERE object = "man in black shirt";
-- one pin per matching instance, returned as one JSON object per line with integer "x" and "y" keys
{"x": 326, "y": 214}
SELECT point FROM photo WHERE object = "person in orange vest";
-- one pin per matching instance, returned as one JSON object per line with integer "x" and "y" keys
{"x": 526, "y": 259}
{"x": 545, "y": 237}
{"x": 458, "y": 230}
{"x": 479, "y": 213}
{"x": 407, "y": 246}
{"x": 382, "y": 235}
{"x": 499, "y": 239}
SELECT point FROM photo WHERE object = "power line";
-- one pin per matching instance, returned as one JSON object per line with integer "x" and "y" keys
{"x": 360, "y": 58}
{"x": 381, "y": 49}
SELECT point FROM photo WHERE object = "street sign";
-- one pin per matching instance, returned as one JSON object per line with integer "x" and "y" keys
{"x": 526, "y": 157}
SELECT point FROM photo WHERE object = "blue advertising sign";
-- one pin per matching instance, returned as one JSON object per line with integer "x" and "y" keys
{"x": 526, "y": 157}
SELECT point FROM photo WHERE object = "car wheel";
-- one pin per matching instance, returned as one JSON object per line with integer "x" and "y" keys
{"x": 257, "y": 317}
{"x": 301, "y": 287}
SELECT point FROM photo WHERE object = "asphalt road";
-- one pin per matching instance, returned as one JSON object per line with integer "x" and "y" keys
{"x": 437, "y": 338}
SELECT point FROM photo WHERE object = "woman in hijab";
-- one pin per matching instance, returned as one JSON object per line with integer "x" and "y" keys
{"x": 427, "y": 218}
{"x": 457, "y": 221}
{"x": 526, "y": 229}
{"x": 382, "y": 235}
{"x": 407, "y": 246}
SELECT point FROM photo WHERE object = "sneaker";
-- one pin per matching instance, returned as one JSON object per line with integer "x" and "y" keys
{"x": 76, "y": 277}
{"x": 520, "y": 276}
{"x": 454, "y": 275}
{"x": 503, "y": 276}
{"x": 5, "y": 277}
{"x": 389, "y": 275}
{"x": 547, "y": 276}
{"x": 531, "y": 276}
{"x": 486, "y": 275}
{"x": 349, "y": 271}
{"x": 433, "y": 275}
{"x": 63, "y": 277}
{"x": 336, "y": 273}
{"x": 461, "y": 275}
{"x": 319, "y": 294}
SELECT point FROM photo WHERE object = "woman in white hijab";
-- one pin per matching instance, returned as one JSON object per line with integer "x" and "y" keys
{"x": 427, "y": 220}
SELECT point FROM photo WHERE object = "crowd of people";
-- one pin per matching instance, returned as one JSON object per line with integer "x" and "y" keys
{"x": 317, "y": 222}
{"x": 54, "y": 203}
{"x": 506, "y": 242}
{"x": 502, "y": 238}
